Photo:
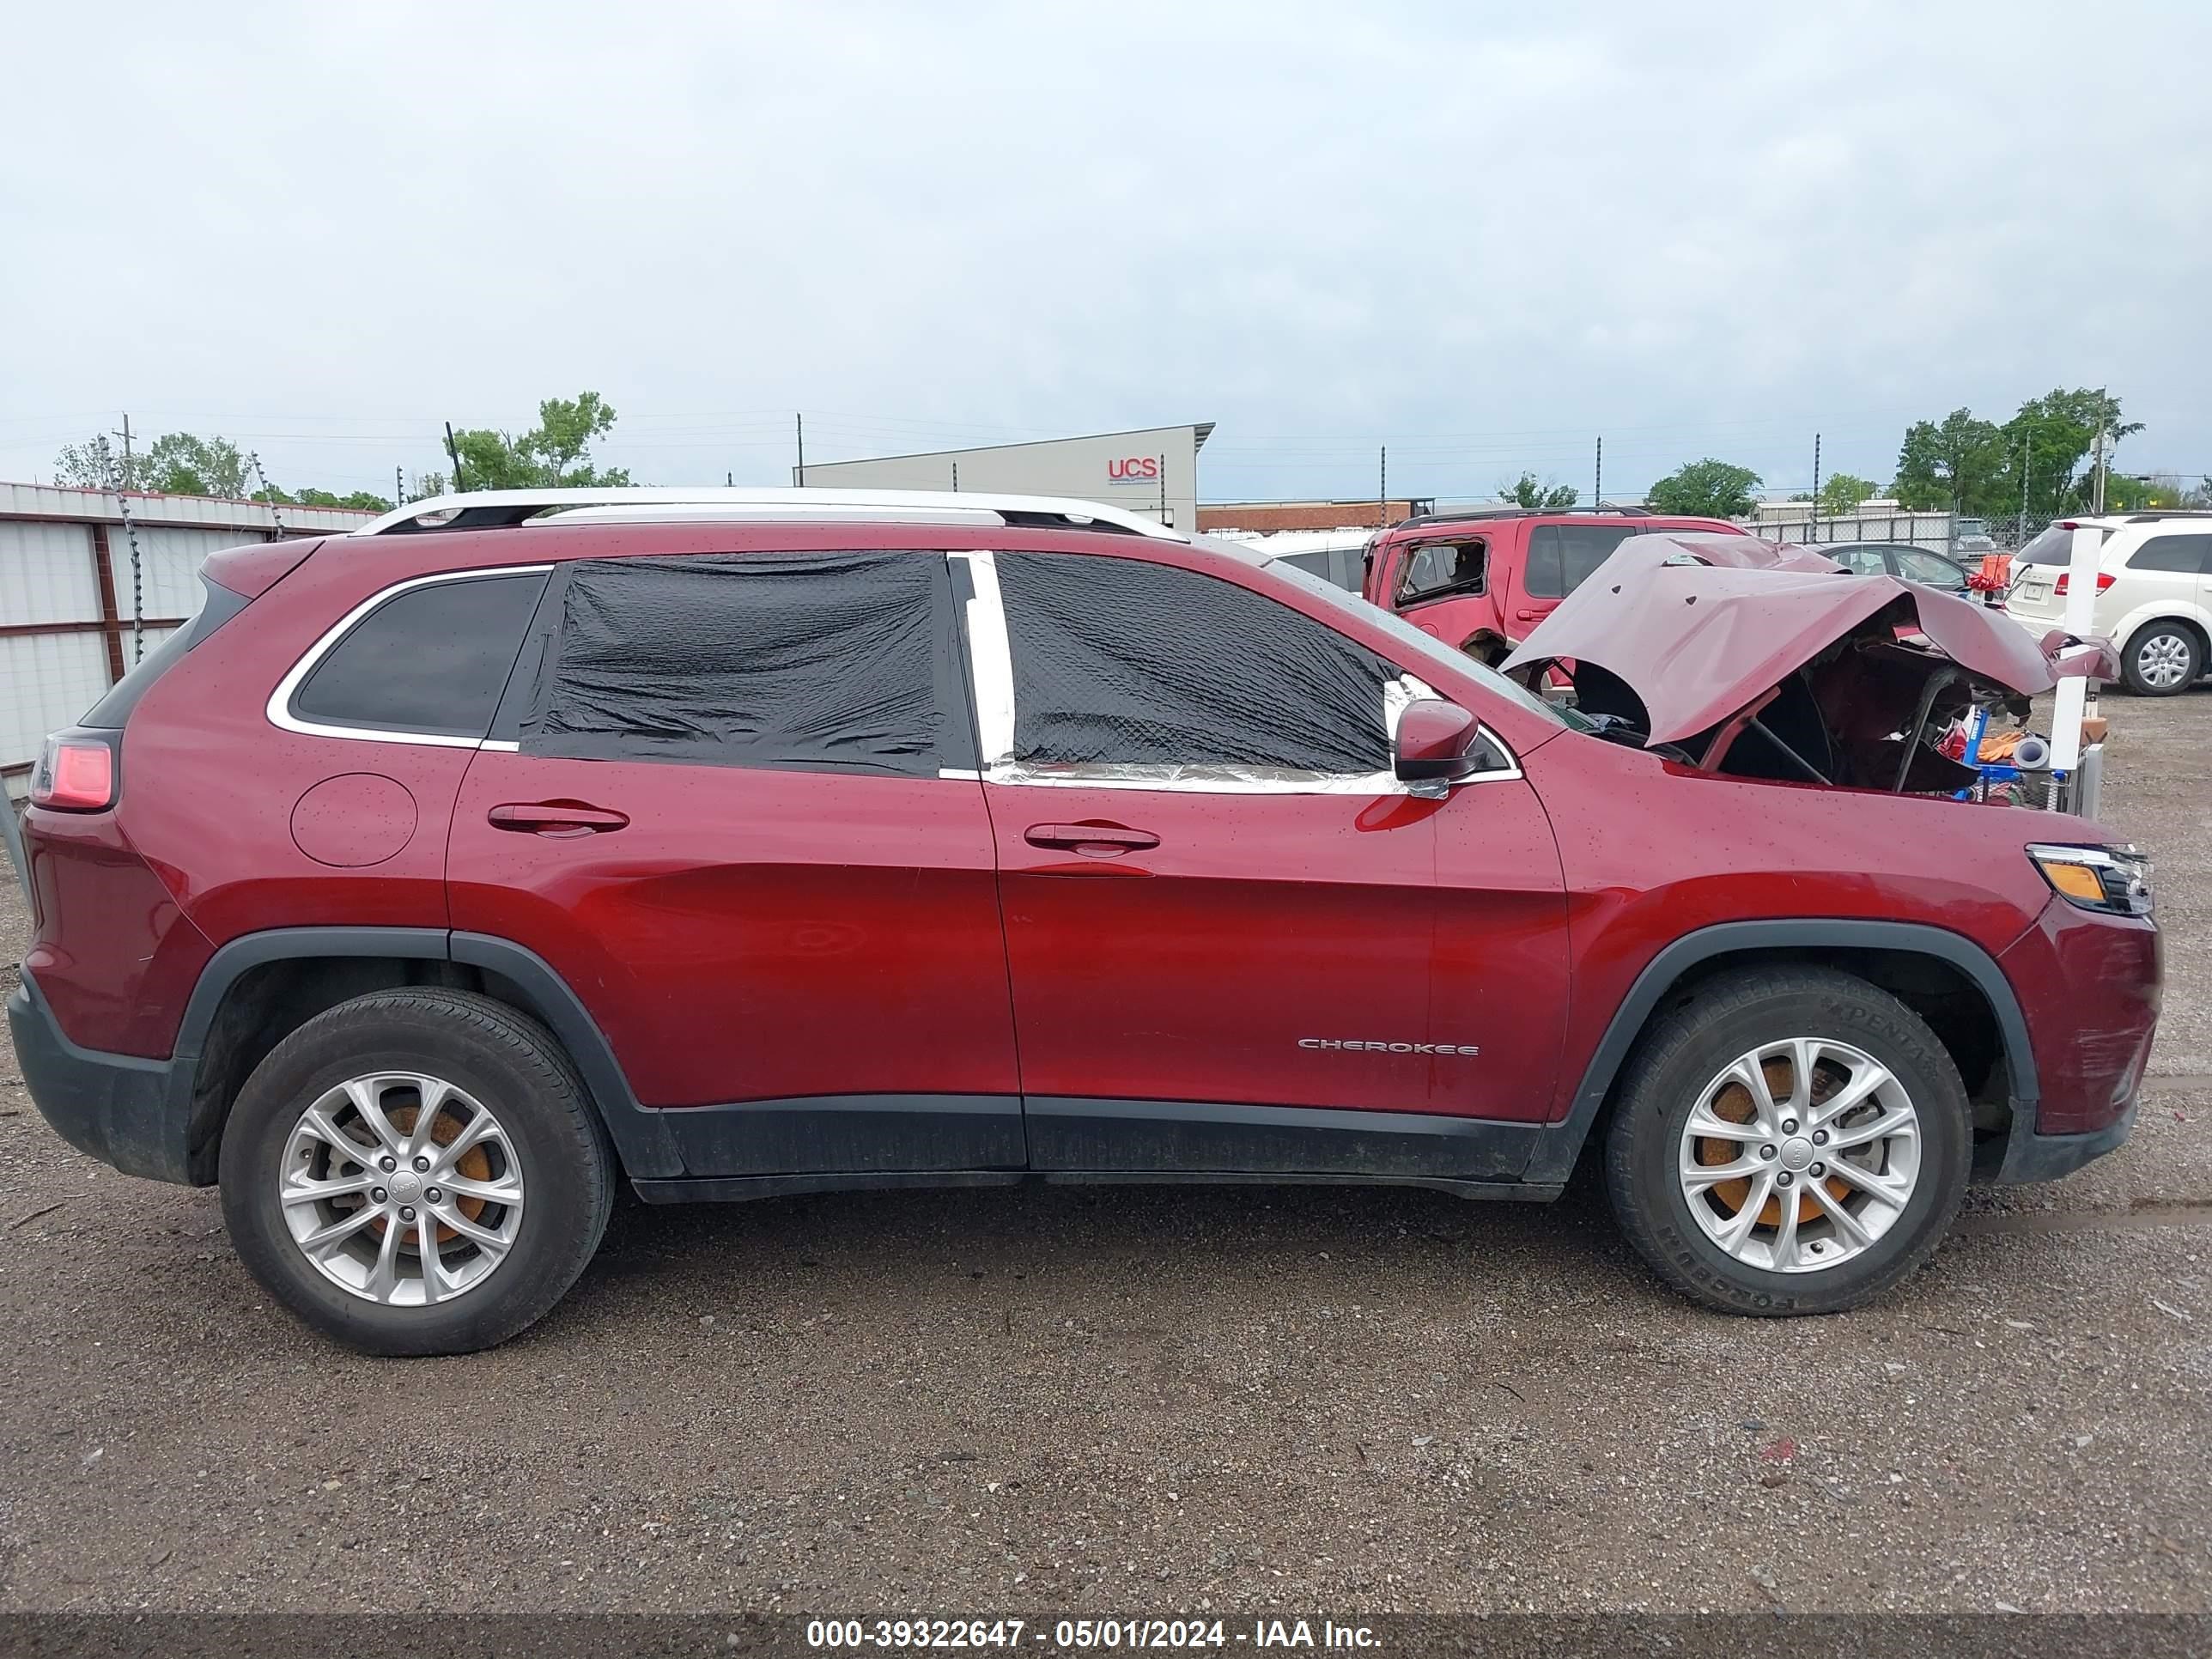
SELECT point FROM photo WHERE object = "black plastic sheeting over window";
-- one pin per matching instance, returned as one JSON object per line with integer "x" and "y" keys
{"x": 829, "y": 661}
{"x": 1124, "y": 662}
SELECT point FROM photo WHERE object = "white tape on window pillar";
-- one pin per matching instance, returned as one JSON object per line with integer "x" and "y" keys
{"x": 991, "y": 661}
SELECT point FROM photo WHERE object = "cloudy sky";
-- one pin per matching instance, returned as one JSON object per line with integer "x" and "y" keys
{"x": 1481, "y": 234}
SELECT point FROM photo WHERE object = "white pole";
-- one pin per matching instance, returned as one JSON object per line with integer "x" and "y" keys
{"x": 2079, "y": 620}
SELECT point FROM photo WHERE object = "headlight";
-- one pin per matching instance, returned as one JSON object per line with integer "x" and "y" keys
{"x": 2113, "y": 880}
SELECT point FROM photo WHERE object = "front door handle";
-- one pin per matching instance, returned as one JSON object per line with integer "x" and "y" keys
{"x": 563, "y": 820}
{"x": 1098, "y": 839}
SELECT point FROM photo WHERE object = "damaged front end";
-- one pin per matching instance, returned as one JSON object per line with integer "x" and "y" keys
{"x": 1758, "y": 660}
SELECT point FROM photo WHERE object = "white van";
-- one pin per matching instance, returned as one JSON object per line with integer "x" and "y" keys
{"x": 2154, "y": 592}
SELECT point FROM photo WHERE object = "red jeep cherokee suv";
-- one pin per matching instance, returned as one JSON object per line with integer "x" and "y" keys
{"x": 1482, "y": 579}
{"x": 438, "y": 876}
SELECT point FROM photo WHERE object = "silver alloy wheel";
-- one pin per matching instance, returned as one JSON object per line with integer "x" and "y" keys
{"x": 1800, "y": 1155}
{"x": 2162, "y": 661}
{"x": 401, "y": 1189}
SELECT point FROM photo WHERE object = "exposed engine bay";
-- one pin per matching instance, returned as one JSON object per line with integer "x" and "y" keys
{"x": 1742, "y": 657}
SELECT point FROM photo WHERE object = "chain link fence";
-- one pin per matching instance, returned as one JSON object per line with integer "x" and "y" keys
{"x": 2017, "y": 531}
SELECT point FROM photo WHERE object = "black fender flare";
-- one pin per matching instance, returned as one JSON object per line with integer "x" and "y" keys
{"x": 641, "y": 1136}
{"x": 1561, "y": 1144}
{"x": 649, "y": 1149}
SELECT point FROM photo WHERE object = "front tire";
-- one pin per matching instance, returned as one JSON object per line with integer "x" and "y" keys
{"x": 2163, "y": 660}
{"x": 416, "y": 1171}
{"x": 1791, "y": 1141}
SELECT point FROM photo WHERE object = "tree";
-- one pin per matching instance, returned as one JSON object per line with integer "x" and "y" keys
{"x": 2124, "y": 493}
{"x": 1956, "y": 466}
{"x": 1525, "y": 491}
{"x": 2052, "y": 438}
{"x": 278, "y": 495}
{"x": 181, "y": 464}
{"x": 97, "y": 464}
{"x": 555, "y": 452}
{"x": 1707, "y": 489}
{"x": 2165, "y": 490}
{"x": 178, "y": 463}
{"x": 175, "y": 464}
{"x": 1841, "y": 495}
{"x": 551, "y": 455}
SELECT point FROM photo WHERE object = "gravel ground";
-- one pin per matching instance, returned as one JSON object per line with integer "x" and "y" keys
{"x": 1152, "y": 1400}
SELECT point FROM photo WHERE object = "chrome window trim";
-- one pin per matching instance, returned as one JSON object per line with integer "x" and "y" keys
{"x": 1365, "y": 784}
{"x": 279, "y": 708}
{"x": 990, "y": 679}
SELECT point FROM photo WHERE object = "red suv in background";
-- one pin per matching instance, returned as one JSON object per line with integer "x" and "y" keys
{"x": 1483, "y": 578}
{"x": 436, "y": 877}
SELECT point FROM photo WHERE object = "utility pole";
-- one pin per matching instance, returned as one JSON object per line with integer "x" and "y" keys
{"x": 1383, "y": 487}
{"x": 454, "y": 451}
{"x": 1815, "y": 515}
{"x": 127, "y": 478}
{"x": 1597, "y": 479}
{"x": 1164, "y": 518}
{"x": 2098, "y": 498}
{"x": 800, "y": 423}
{"x": 2022, "y": 539}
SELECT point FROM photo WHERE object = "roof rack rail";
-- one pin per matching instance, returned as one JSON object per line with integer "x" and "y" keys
{"x": 1473, "y": 514}
{"x": 495, "y": 509}
{"x": 2152, "y": 515}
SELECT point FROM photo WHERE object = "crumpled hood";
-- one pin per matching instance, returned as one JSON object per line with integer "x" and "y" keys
{"x": 1699, "y": 626}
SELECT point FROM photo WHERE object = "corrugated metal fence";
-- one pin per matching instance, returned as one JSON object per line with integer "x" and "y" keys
{"x": 79, "y": 604}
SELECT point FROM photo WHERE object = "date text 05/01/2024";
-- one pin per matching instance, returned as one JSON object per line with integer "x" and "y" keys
{"x": 1087, "y": 1634}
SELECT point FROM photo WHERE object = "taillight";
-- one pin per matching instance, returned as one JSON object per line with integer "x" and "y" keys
{"x": 2104, "y": 579}
{"x": 74, "y": 775}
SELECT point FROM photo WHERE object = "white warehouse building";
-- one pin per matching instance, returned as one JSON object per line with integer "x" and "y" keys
{"x": 1152, "y": 471}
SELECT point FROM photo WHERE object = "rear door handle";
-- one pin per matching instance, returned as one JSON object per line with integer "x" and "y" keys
{"x": 1099, "y": 840}
{"x": 561, "y": 819}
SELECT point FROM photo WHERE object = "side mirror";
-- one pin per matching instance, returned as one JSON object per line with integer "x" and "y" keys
{"x": 1434, "y": 736}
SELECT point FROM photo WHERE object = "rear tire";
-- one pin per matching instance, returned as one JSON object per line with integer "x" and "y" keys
{"x": 2164, "y": 659}
{"x": 1911, "y": 1139}
{"x": 533, "y": 1181}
